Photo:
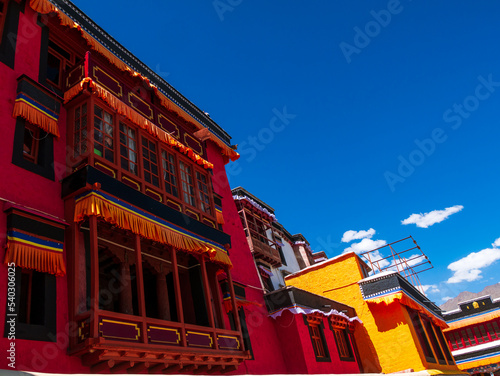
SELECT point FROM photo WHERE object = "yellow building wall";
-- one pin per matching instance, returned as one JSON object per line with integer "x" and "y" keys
{"x": 386, "y": 340}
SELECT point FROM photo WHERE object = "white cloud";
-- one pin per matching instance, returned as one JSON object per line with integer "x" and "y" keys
{"x": 469, "y": 267}
{"x": 496, "y": 243}
{"x": 430, "y": 288}
{"x": 365, "y": 245}
{"x": 446, "y": 298}
{"x": 354, "y": 235}
{"x": 428, "y": 219}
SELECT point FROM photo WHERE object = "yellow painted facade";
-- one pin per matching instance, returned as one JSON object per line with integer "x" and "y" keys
{"x": 386, "y": 341}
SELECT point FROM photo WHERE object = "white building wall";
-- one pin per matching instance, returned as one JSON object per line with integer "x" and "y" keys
{"x": 291, "y": 266}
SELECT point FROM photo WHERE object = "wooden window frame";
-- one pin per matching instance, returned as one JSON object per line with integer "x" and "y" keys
{"x": 433, "y": 340}
{"x": 35, "y": 132}
{"x": 167, "y": 171}
{"x": 183, "y": 192}
{"x": 104, "y": 134}
{"x": 319, "y": 345}
{"x": 128, "y": 149}
{"x": 203, "y": 196}
{"x": 343, "y": 342}
{"x": 65, "y": 64}
{"x": 444, "y": 345}
{"x": 421, "y": 334}
{"x": 3, "y": 16}
{"x": 138, "y": 181}
{"x": 27, "y": 330}
{"x": 150, "y": 143}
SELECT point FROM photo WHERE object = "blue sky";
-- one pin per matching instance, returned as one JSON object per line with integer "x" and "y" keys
{"x": 349, "y": 115}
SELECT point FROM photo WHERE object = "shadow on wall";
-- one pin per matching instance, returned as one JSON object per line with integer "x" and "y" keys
{"x": 366, "y": 349}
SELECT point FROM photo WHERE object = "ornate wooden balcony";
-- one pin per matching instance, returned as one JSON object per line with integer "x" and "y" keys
{"x": 124, "y": 343}
{"x": 263, "y": 250}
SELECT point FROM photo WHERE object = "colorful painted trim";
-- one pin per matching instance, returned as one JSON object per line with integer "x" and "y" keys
{"x": 24, "y": 98}
{"x": 389, "y": 297}
{"x": 35, "y": 113}
{"x": 474, "y": 319}
{"x": 255, "y": 205}
{"x": 266, "y": 270}
{"x": 477, "y": 361}
{"x": 128, "y": 217}
{"x": 218, "y": 214}
{"x": 31, "y": 252}
{"x": 298, "y": 309}
{"x": 135, "y": 117}
{"x": 489, "y": 368}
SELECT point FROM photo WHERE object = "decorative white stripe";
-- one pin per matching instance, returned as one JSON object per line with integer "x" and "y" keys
{"x": 256, "y": 205}
{"x": 306, "y": 311}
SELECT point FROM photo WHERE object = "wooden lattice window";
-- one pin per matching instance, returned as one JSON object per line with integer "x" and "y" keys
{"x": 343, "y": 344}
{"x": 203, "y": 192}
{"x": 128, "y": 149}
{"x": 315, "y": 324}
{"x": 169, "y": 173}
{"x": 60, "y": 59}
{"x": 80, "y": 131}
{"x": 188, "y": 191}
{"x": 103, "y": 134}
{"x": 150, "y": 162}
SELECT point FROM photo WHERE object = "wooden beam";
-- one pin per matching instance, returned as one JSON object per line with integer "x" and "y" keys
{"x": 118, "y": 368}
{"x": 174, "y": 368}
{"x": 233, "y": 302}
{"x": 178, "y": 299}
{"x": 208, "y": 300}
{"x": 140, "y": 287}
{"x": 231, "y": 368}
{"x": 89, "y": 359}
{"x": 102, "y": 366}
{"x": 158, "y": 368}
{"x": 138, "y": 367}
{"x": 189, "y": 368}
{"x": 94, "y": 278}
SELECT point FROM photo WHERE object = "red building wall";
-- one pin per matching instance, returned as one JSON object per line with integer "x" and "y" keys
{"x": 298, "y": 351}
{"x": 268, "y": 357}
{"x": 31, "y": 190}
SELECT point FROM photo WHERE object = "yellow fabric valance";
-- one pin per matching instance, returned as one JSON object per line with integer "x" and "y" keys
{"x": 142, "y": 223}
{"x": 45, "y": 7}
{"x": 477, "y": 319}
{"x": 30, "y": 252}
{"x": 136, "y": 118}
{"x": 36, "y": 117}
{"x": 409, "y": 302}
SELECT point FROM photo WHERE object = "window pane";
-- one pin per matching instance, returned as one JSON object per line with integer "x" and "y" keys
{"x": 434, "y": 342}
{"x": 169, "y": 173}
{"x": 53, "y": 68}
{"x": 187, "y": 184}
{"x": 149, "y": 162}
{"x": 128, "y": 150}
{"x": 103, "y": 134}
{"x": 422, "y": 339}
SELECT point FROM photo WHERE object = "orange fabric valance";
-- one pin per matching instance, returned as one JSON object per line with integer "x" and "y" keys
{"x": 30, "y": 252}
{"x": 45, "y": 7}
{"x": 36, "y": 117}
{"x": 409, "y": 302}
{"x": 477, "y": 319}
{"x": 142, "y": 223}
{"x": 136, "y": 118}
